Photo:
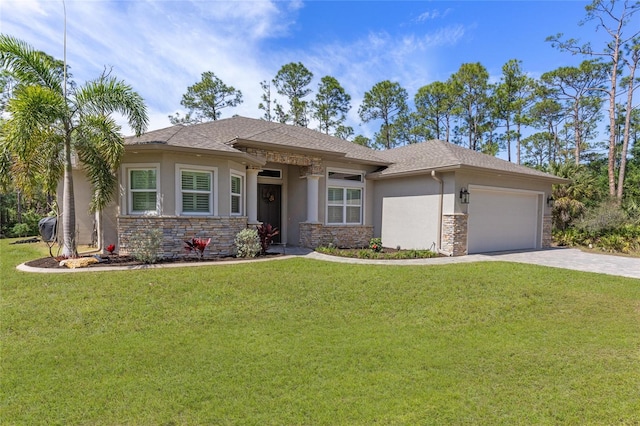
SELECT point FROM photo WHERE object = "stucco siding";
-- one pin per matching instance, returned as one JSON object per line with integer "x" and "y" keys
{"x": 82, "y": 197}
{"x": 410, "y": 222}
{"x": 296, "y": 204}
{"x": 406, "y": 212}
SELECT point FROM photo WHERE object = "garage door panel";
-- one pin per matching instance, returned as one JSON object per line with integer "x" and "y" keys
{"x": 502, "y": 220}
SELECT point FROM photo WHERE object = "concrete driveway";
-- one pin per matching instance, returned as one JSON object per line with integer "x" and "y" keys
{"x": 567, "y": 258}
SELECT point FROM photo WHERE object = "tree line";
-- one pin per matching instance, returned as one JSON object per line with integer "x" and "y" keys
{"x": 539, "y": 122}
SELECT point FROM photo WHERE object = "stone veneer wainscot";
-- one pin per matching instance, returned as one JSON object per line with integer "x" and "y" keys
{"x": 177, "y": 229}
{"x": 314, "y": 235}
{"x": 454, "y": 234}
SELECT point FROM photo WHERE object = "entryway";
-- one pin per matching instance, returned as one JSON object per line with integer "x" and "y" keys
{"x": 270, "y": 206}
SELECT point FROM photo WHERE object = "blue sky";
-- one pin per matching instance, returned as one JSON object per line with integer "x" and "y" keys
{"x": 161, "y": 47}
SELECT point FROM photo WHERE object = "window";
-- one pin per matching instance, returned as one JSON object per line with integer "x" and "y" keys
{"x": 237, "y": 185}
{"x": 196, "y": 188}
{"x": 143, "y": 191}
{"x": 270, "y": 173}
{"x": 344, "y": 197}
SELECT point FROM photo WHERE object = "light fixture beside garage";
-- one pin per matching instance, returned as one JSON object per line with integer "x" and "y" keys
{"x": 464, "y": 196}
{"x": 550, "y": 201}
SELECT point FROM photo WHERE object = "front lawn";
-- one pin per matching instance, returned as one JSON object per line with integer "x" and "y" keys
{"x": 306, "y": 342}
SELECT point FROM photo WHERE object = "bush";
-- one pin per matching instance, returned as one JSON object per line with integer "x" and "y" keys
{"x": 370, "y": 254}
{"x": 247, "y": 243}
{"x": 266, "y": 232}
{"x": 145, "y": 246}
{"x": 21, "y": 230}
{"x": 604, "y": 217}
{"x": 375, "y": 244}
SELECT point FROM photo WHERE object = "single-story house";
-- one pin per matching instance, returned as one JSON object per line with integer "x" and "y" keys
{"x": 217, "y": 178}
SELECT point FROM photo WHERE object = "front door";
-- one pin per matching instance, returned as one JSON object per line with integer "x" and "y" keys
{"x": 270, "y": 206}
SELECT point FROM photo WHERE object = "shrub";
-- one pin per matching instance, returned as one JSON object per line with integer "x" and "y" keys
{"x": 266, "y": 232}
{"x": 145, "y": 246}
{"x": 370, "y": 254}
{"x": 247, "y": 243}
{"x": 375, "y": 244}
{"x": 197, "y": 245}
{"x": 21, "y": 230}
{"x": 606, "y": 216}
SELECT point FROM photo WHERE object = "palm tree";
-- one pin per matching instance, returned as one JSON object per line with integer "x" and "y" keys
{"x": 48, "y": 125}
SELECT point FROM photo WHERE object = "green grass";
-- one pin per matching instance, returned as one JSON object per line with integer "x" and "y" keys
{"x": 305, "y": 342}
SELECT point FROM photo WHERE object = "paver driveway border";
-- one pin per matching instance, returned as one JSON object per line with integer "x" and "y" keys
{"x": 567, "y": 258}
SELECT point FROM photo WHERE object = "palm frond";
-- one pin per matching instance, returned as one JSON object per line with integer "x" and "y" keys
{"x": 107, "y": 95}
{"x": 99, "y": 146}
{"x": 28, "y": 65}
{"x": 35, "y": 114}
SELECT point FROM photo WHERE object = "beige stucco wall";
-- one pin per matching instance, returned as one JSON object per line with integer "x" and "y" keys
{"x": 296, "y": 203}
{"x": 167, "y": 162}
{"x": 82, "y": 197}
{"x": 406, "y": 210}
{"x": 465, "y": 179}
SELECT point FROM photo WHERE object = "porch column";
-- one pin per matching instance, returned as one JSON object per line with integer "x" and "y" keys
{"x": 252, "y": 195}
{"x": 312, "y": 198}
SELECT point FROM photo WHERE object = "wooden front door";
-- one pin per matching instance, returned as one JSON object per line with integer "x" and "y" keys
{"x": 270, "y": 206}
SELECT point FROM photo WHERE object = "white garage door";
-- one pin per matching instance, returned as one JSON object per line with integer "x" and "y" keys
{"x": 502, "y": 220}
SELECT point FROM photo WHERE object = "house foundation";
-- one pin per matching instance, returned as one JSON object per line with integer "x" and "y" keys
{"x": 314, "y": 235}
{"x": 177, "y": 229}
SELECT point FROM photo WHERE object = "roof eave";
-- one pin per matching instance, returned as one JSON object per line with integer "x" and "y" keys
{"x": 448, "y": 168}
{"x": 239, "y": 155}
{"x": 324, "y": 154}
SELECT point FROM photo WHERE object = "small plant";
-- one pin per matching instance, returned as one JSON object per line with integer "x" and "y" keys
{"x": 145, "y": 247}
{"x": 197, "y": 245}
{"x": 247, "y": 243}
{"x": 375, "y": 244}
{"x": 111, "y": 248}
{"x": 266, "y": 232}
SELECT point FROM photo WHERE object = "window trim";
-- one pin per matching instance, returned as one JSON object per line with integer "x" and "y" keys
{"x": 126, "y": 170}
{"x": 243, "y": 179}
{"x": 213, "y": 201}
{"x": 345, "y": 185}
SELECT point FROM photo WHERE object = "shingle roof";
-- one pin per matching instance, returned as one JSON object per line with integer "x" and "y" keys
{"x": 227, "y": 134}
{"x": 435, "y": 154}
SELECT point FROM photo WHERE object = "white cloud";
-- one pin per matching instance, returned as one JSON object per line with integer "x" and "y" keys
{"x": 162, "y": 47}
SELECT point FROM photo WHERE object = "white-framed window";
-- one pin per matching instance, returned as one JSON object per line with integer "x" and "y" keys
{"x": 143, "y": 185}
{"x": 345, "y": 194}
{"x": 237, "y": 194}
{"x": 195, "y": 190}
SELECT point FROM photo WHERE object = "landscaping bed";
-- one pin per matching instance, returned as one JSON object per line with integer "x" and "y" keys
{"x": 116, "y": 260}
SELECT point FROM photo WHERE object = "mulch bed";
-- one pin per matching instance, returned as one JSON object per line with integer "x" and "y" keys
{"x": 116, "y": 260}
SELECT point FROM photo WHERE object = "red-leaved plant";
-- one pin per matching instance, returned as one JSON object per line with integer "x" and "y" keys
{"x": 111, "y": 248}
{"x": 266, "y": 232}
{"x": 197, "y": 245}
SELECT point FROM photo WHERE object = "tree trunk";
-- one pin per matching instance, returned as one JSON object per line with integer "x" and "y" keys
{"x": 611, "y": 166}
{"x": 19, "y": 206}
{"x": 577, "y": 134}
{"x": 508, "y": 142}
{"x": 627, "y": 126}
{"x": 69, "y": 247}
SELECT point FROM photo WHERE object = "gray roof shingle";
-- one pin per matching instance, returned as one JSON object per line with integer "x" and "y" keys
{"x": 435, "y": 154}
{"x": 226, "y": 134}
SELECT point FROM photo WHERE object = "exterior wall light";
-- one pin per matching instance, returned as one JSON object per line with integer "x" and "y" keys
{"x": 464, "y": 196}
{"x": 550, "y": 201}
